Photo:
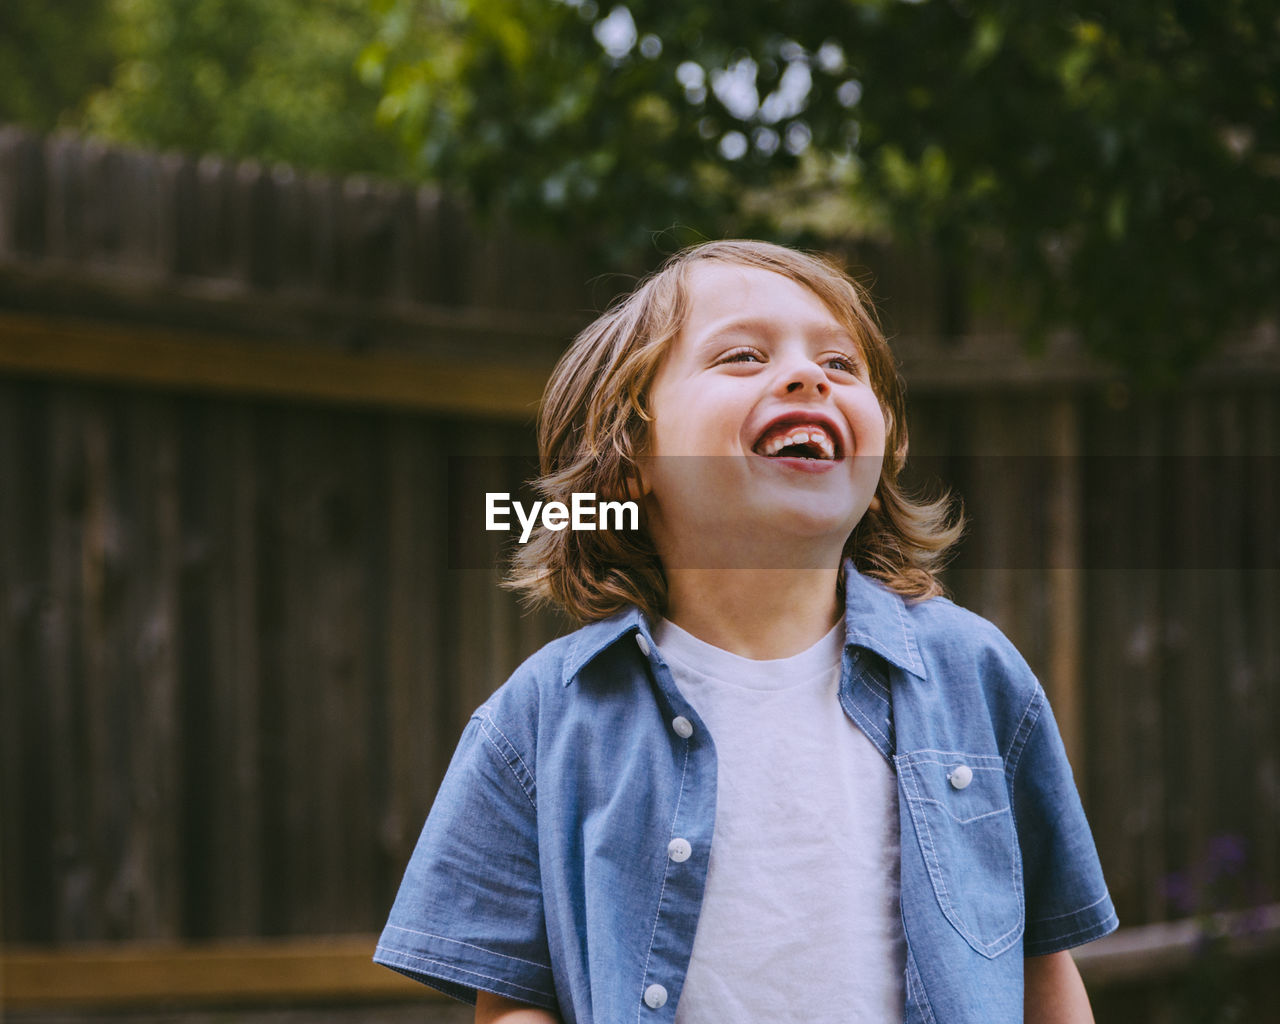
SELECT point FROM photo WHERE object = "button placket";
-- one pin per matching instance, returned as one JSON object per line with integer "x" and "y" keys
{"x": 673, "y": 932}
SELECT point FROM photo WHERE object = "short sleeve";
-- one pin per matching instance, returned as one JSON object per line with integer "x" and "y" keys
{"x": 1067, "y": 903}
{"x": 469, "y": 911}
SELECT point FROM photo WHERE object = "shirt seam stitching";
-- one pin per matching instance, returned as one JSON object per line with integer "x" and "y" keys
{"x": 1013, "y": 757}
{"x": 1058, "y": 937}
{"x": 485, "y": 724}
{"x": 908, "y": 641}
{"x": 866, "y": 722}
{"x": 459, "y": 942}
{"x": 877, "y": 688}
{"x": 915, "y": 985}
{"x": 463, "y": 970}
{"x": 862, "y": 718}
{"x": 1071, "y": 913}
{"x": 967, "y": 761}
{"x": 913, "y": 754}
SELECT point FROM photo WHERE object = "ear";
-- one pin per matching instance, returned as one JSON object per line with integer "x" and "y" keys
{"x": 875, "y": 505}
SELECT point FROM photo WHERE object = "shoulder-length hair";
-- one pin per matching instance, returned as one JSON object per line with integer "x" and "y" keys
{"x": 594, "y": 423}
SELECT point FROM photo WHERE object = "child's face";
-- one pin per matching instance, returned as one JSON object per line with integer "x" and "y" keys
{"x": 763, "y": 377}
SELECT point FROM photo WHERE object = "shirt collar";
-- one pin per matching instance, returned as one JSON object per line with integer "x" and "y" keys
{"x": 595, "y": 637}
{"x": 875, "y": 617}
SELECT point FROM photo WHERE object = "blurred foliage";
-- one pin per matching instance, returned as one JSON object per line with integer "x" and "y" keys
{"x": 1113, "y": 169}
{"x": 271, "y": 79}
{"x": 51, "y": 55}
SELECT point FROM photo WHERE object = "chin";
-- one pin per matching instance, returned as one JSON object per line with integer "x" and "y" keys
{"x": 812, "y": 514}
{"x": 808, "y": 526}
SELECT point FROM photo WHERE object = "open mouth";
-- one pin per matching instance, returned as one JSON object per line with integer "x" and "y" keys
{"x": 803, "y": 440}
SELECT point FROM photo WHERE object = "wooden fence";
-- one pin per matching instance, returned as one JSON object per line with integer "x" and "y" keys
{"x": 246, "y": 606}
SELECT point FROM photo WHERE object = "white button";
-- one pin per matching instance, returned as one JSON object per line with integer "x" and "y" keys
{"x": 643, "y": 644}
{"x": 655, "y": 996}
{"x": 961, "y": 777}
{"x": 679, "y": 850}
{"x": 682, "y": 726}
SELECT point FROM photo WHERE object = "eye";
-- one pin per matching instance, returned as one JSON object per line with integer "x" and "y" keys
{"x": 741, "y": 355}
{"x": 843, "y": 363}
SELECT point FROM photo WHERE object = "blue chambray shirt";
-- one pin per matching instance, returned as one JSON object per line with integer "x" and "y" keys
{"x": 545, "y": 870}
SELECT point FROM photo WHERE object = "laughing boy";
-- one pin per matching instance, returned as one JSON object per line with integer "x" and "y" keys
{"x": 776, "y": 776}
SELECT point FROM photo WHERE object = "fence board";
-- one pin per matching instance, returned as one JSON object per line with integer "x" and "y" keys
{"x": 110, "y": 630}
{"x": 201, "y": 769}
{"x": 23, "y": 193}
{"x": 417, "y": 707}
{"x": 28, "y": 826}
{"x": 66, "y": 201}
{"x": 236, "y": 740}
{"x": 1121, "y": 630}
{"x": 154, "y": 437}
{"x": 1263, "y": 606}
{"x": 214, "y": 218}
{"x": 77, "y": 869}
{"x": 1064, "y": 575}
{"x": 1193, "y": 677}
{"x": 16, "y": 599}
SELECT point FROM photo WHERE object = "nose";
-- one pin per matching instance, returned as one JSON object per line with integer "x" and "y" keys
{"x": 803, "y": 376}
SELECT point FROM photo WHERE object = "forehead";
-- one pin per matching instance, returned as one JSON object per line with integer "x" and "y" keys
{"x": 720, "y": 295}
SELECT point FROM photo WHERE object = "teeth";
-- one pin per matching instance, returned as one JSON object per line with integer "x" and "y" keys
{"x": 802, "y": 435}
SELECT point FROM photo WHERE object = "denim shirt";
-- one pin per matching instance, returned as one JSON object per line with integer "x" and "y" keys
{"x": 564, "y": 859}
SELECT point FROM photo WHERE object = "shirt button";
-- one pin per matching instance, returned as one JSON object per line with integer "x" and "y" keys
{"x": 679, "y": 850}
{"x": 655, "y": 997}
{"x": 961, "y": 776}
{"x": 682, "y": 726}
{"x": 643, "y": 644}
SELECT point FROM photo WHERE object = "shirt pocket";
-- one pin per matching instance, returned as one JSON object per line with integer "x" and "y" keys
{"x": 959, "y": 806}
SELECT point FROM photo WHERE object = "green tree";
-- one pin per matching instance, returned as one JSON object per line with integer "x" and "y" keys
{"x": 1115, "y": 170}
{"x": 51, "y": 56}
{"x": 273, "y": 79}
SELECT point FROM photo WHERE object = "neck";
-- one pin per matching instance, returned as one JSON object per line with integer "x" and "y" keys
{"x": 756, "y": 613}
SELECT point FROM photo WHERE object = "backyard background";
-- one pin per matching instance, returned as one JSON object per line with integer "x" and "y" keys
{"x": 279, "y": 290}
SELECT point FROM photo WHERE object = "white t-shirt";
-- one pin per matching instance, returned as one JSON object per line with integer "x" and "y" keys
{"x": 800, "y": 919}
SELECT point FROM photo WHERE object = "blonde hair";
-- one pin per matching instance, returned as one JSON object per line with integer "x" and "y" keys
{"x": 594, "y": 425}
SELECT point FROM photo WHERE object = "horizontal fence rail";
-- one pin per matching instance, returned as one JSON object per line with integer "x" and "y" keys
{"x": 339, "y": 969}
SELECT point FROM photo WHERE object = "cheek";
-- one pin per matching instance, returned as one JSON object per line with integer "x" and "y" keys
{"x": 876, "y": 422}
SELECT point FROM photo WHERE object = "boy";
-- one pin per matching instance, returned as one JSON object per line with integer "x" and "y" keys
{"x": 776, "y": 777}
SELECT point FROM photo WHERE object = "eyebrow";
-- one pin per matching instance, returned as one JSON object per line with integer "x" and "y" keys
{"x": 758, "y": 325}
